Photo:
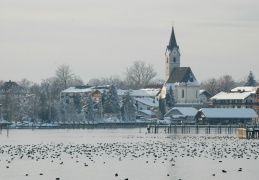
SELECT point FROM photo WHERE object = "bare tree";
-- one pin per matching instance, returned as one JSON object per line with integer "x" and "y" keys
{"x": 64, "y": 74}
{"x": 211, "y": 86}
{"x": 139, "y": 75}
{"x": 226, "y": 83}
{"x": 112, "y": 80}
{"x": 75, "y": 81}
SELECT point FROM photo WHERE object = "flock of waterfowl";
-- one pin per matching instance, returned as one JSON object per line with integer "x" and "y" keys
{"x": 167, "y": 150}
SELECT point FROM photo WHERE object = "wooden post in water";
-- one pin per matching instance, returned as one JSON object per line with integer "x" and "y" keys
{"x": 7, "y": 129}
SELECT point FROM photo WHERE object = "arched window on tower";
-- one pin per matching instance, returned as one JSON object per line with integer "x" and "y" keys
{"x": 167, "y": 60}
{"x": 174, "y": 60}
{"x": 183, "y": 93}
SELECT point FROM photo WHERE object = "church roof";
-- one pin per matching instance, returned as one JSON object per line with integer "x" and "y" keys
{"x": 181, "y": 75}
{"x": 172, "y": 42}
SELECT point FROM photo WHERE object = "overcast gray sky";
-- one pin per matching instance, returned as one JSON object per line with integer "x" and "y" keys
{"x": 99, "y": 38}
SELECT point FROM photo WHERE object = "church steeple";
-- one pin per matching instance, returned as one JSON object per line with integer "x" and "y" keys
{"x": 172, "y": 42}
{"x": 172, "y": 55}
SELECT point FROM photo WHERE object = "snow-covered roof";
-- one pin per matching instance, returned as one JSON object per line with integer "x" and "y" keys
{"x": 203, "y": 91}
{"x": 76, "y": 90}
{"x": 148, "y": 112}
{"x": 185, "y": 111}
{"x": 106, "y": 87}
{"x": 229, "y": 113}
{"x": 147, "y": 101}
{"x": 134, "y": 93}
{"x": 244, "y": 89}
{"x": 229, "y": 96}
{"x": 152, "y": 92}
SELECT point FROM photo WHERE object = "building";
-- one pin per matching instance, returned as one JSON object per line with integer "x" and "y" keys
{"x": 239, "y": 97}
{"x": 204, "y": 96}
{"x": 145, "y": 101}
{"x": 222, "y": 116}
{"x": 73, "y": 93}
{"x": 256, "y": 108}
{"x": 184, "y": 115}
{"x": 182, "y": 80}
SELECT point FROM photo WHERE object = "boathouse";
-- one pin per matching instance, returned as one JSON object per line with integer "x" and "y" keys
{"x": 183, "y": 115}
{"x": 222, "y": 116}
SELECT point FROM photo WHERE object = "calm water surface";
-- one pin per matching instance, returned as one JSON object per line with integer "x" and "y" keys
{"x": 131, "y": 153}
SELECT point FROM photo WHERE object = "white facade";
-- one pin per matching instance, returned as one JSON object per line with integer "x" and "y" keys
{"x": 172, "y": 60}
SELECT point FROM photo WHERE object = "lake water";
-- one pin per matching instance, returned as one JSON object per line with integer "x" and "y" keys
{"x": 99, "y": 154}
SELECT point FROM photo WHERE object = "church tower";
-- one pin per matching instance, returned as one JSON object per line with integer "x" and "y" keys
{"x": 172, "y": 55}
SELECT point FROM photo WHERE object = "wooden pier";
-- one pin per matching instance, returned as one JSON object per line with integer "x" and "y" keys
{"x": 193, "y": 129}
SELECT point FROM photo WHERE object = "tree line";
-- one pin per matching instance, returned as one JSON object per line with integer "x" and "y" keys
{"x": 42, "y": 101}
{"x": 226, "y": 82}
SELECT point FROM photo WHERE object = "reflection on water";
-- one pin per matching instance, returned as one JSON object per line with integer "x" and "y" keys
{"x": 131, "y": 153}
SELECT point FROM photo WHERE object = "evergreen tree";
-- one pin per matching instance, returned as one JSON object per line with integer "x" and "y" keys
{"x": 250, "y": 80}
{"x": 170, "y": 102}
{"x": 112, "y": 102}
{"x": 99, "y": 114}
{"x": 78, "y": 103}
{"x": 63, "y": 109}
{"x": 128, "y": 109}
{"x": 90, "y": 109}
{"x": 162, "y": 107}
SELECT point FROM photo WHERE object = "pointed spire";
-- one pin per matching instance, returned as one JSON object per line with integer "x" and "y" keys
{"x": 172, "y": 42}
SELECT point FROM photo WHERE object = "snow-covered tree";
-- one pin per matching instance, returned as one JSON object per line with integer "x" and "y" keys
{"x": 162, "y": 107}
{"x": 99, "y": 113}
{"x": 64, "y": 74}
{"x": 250, "y": 80}
{"x": 170, "y": 101}
{"x": 63, "y": 110}
{"x": 112, "y": 102}
{"x": 89, "y": 110}
{"x": 128, "y": 109}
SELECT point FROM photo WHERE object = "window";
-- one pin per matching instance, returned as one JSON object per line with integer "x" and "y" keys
{"x": 174, "y": 59}
{"x": 182, "y": 93}
{"x": 167, "y": 60}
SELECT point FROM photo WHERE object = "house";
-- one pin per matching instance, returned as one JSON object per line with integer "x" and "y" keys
{"x": 141, "y": 98}
{"x": 204, "y": 96}
{"x": 146, "y": 115}
{"x": 155, "y": 91}
{"x": 240, "y": 97}
{"x": 184, "y": 115}
{"x": 180, "y": 79}
{"x": 145, "y": 103}
{"x": 216, "y": 116}
{"x": 72, "y": 93}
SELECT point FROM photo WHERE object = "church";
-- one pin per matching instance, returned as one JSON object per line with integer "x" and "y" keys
{"x": 181, "y": 79}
